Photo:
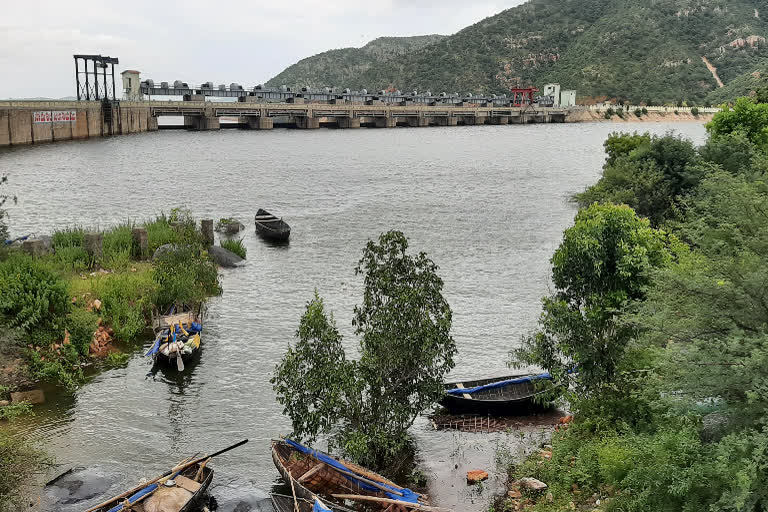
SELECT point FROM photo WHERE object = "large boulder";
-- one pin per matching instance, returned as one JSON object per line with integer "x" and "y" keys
{"x": 163, "y": 249}
{"x": 224, "y": 257}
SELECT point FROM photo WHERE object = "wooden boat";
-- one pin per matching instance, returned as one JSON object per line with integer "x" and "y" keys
{"x": 184, "y": 493}
{"x": 271, "y": 227}
{"x": 316, "y": 473}
{"x": 177, "y": 337}
{"x": 500, "y": 396}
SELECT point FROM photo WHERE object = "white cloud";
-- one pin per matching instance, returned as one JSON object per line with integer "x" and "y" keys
{"x": 234, "y": 41}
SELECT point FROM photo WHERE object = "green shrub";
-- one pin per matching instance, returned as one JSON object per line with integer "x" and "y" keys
{"x": 236, "y": 246}
{"x": 68, "y": 247}
{"x": 645, "y": 111}
{"x": 638, "y": 112}
{"x": 15, "y": 410}
{"x": 32, "y": 297}
{"x": 179, "y": 227}
{"x": 609, "y": 113}
{"x": 117, "y": 247}
{"x": 695, "y": 111}
{"x": 81, "y": 325}
{"x": 186, "y": 275}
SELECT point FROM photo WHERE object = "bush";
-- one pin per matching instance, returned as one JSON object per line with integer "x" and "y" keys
{"x": 638, "y": 112}
{"x": 81, "y": 325}
{"x": 695, "y": 111}
{"x": 177, "y": 228}
{"x": 32, "y": 297}
{"x": 609, "y": 113}
{"x": 645, "y": 111}
{"x": 185, "y": 276}
{"x": 236, "y": 246}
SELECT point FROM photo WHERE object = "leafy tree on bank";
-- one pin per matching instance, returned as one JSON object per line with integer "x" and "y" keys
{"x": 406, "y": 350}
{"x": 603, "y": 264}
{"x": 747, "y": 117}
{"x": 648, "y": 173}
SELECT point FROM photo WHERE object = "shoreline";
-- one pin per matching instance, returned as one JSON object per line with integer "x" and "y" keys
{"x": 595, "y": 116}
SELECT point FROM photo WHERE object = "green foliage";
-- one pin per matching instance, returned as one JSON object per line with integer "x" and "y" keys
{"x": 117, "y": 247}
{"x": 15, "y": 410}
{"x": 117, "y": 359}
{"x": 406, "y": 350}
{"x": 81, "y": 325}
{"x": 695, "y": 111}
{"x": 177, "y": 228}
{"x": 68, "y": 247}
{"x": 733, "y": 152}
{"x": 32, "y": 297}
{"x": 4, "y": 197}
{"x": 609, "y": 113}
{"x": 20, "y": 463}
{"x": 649, "y": 173}
{"x": 236, "y": 246}
{"x": 335, "y": 68}
{"x": 186, "y": 275}
{"x": 603, "y": 264}
{"x": 314, "y": 378}
{"x": 638, "y": 112}
{"x": 746, "y": 116}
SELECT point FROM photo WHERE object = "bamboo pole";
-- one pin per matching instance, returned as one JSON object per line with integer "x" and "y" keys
{"x": 414, "y": 506}
{"x": 367, "y": 481}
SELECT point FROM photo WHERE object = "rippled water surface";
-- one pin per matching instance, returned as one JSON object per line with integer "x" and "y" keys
{"x": 488, "y": 204}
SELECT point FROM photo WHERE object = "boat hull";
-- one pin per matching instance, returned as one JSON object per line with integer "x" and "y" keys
{"x": 512, "y": 400}
{"x": 192, "y": 504}
{"x": 270, "y": 227}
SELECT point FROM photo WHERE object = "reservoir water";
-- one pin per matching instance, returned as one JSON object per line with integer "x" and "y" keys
{"x": 488, "y": 204}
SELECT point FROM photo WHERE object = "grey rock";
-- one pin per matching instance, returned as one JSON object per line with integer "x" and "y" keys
{"x": 163, "y": 249}
{"x": 224, "y": 258}
{"x": 532, "y": 484}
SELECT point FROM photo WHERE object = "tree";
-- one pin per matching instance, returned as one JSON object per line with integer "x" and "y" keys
{"x": 603, "y": 264}
{"x": 746, "y": 116}
{"x": 406, "y": 350}
{"x": 651, "y": 174}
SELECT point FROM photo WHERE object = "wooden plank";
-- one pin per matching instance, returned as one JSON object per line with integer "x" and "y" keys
{"x": 460, "y": 385}
{"x": 311, "y": 472}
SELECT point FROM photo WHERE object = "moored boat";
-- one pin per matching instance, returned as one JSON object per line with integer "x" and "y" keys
{"x": 312, "y": 472}
{"x": 184, "y": 492}
{"x": 271, "y": 227}
{"x": 501, "y": 396}
{"x": 177, "y": 337}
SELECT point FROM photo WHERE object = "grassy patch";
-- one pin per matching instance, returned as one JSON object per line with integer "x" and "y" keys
{"x": 118, "y": 247}
{"x": 236, "y": 246}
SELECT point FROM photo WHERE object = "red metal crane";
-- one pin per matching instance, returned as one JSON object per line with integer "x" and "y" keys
{"x": 522, "y": 96}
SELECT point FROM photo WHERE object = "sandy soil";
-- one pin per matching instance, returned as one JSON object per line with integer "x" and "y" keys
{"x": 588, "y": 116}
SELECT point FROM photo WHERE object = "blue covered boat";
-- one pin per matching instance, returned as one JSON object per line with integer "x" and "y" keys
{"x": 499, "y": 396}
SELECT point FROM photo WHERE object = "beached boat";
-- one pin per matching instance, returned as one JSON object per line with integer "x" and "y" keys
{"x": 498, "y": 396}
{"x": 312, "y": 472}
{"x": 271, "y": 227}
{"x": 177, "y": 337}
{"x": 184, "y": 492}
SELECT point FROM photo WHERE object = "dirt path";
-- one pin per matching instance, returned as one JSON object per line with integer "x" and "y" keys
{"x": 712, "y": 69}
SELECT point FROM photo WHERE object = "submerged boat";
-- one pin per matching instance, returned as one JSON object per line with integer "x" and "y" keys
{"x": 182, "y": 491}
{"x": 271, "y": 227}
{"x": 498, "y": 396}
{"x": 177, "y": 337}
{"x": 313, "y": 472}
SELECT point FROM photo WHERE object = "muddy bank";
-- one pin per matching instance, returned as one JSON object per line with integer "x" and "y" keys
{"x": 452, "y": 453}
{"x": 591, "y": 116}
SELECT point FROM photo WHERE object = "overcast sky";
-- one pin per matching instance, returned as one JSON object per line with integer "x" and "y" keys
{"x": 196, "y": 41}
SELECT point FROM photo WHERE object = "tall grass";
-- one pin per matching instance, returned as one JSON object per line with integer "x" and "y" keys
{"x": 117, "y": 247}
{"x": 235, "y": 245}
{"x": 69, "y": 252}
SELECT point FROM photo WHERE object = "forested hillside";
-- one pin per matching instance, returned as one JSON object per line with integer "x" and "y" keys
{"x": 337, "y": 68}
{"x": 653, "y": 51}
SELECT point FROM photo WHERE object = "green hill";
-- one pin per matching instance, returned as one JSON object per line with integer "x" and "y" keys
{"x": 649, "y": 51}
{"x": 342, "y": 68}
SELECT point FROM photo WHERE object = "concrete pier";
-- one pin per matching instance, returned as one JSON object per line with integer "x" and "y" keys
{"x": 346, "y": 122}
{"x": 307, "y": 123}
{"x": 385, "y": 122}
{"x": 259, "y": 123}
{"x": 202, "y": 123}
